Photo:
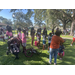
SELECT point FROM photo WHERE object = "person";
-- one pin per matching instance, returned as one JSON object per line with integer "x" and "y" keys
{"x": 61, "y": 49}
{"x": 39, "y": 32}
{"x": 45, "y": 32}
{"x": 73, "y": 38}
{"x": 38, "y": 40}
{"x": 44, "y": 41}
{"x": 27, "y": 31}
{"x": 32, "y": 35}
{"x": 54, "y": 46}
{"x": 9, "y": 33}
{"x": 24, "y": 40}
{"x": 49, "y": 40}
{"x": 19, "y": 35}
{"x": 2, "y": 34}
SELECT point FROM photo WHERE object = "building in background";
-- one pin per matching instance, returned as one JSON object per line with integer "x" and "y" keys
{"x": 3, "y": 25}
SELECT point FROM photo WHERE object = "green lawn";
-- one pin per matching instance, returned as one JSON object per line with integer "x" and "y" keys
{"x": 42, "y": 59}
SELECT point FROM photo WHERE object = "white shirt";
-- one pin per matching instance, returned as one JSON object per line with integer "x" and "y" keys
{"x": 49, "y": 39}
{"x": 44, "y": 38}
{"x": 74, "y": 34}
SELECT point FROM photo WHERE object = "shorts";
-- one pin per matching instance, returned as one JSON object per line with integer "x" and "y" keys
{"x": 73, "y": 39}
{"x": 44, "y": 42}
{"x": 24, "y": 44}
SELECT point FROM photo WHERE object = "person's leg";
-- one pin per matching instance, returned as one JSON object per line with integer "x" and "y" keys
{"x": 37, "y": 44}
{"x": 48, "y": 46}
{"x": 50, "y": 55}
{"x": 71, "y": 43}
{"x": 55, "y": 56}
{"x": 32, "y": 40}
{"x": 61, "y": 55}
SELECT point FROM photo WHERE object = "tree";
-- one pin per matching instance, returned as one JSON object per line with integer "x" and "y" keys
{"x": 70, "y": 16}
{"x": 5, "y": 21}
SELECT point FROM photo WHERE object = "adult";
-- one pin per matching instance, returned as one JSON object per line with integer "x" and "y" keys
{"x": 32, "y": 35}
{"x": 45, "y": 31}
{"x": 54, "y": 46}
{"x": 27, "y": 31}
{"x": 39, "y": 33}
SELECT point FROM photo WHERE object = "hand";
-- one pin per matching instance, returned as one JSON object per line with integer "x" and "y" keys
{"x": 64, "y": 40}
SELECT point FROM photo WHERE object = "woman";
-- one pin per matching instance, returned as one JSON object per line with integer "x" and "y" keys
{"x": 54, "y": 46}
{"x": 32, "y": 35}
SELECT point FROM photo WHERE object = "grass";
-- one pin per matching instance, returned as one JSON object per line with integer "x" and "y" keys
{"x": 42, "y": 59}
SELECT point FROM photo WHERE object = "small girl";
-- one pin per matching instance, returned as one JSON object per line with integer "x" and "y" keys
{"x": 73, "y": 38}
{"x": 19, "y": 33}
{"x": 61, "y": 49}
{"x": 9, "y": 33}
{"x": 38, "y": 40}
{"x": 49, "y": 40}
{"x": 44, "y": 41}
{"x": 39, "y": 32}
{"x": 24, "y": 40}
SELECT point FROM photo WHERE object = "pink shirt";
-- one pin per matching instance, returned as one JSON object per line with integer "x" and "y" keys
{"x": 9, "y": 33}
{"x": 23, "y": 38}
{"x": 20, "y": 35}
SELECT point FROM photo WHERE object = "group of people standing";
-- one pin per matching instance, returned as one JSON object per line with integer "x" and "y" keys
{"x": 55, "y": 42}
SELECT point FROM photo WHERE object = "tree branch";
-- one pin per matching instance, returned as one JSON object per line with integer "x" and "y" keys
{"x": 67, "y": 15}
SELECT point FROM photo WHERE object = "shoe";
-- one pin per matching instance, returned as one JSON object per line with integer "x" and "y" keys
{"x": 71, "y": 44}
{"x": 54, "y": 63}
{"x": 60, "y": 58}
{"x": 49, "y": 62}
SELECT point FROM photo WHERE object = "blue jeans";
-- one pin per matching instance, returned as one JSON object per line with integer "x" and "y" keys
{"x": 53, "y": 51}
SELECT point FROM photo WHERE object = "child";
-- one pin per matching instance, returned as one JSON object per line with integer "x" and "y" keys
{"x": 38, "y": 40}
{"x": 19, "y": 33}
{"x": 39, "y": 32}
{"x": 2, "y": 34}
{"x": 32, "y": 35}
{"x": 9, "y": 32}
{"x": 73, "y": 38}
{"x": 61, "y": 48}
{"x": 44, "y": 41}
{"x": 27, "y": 31}
{"x": 24, "y": 40}
{"x": 49, "y": 40}
{"x": 19, "y": 36}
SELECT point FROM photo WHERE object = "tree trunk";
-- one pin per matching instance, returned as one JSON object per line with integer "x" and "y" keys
{"x": 64, "y": 25}
{"x": 73, "y": 23}
{"x": 72, "y": 27}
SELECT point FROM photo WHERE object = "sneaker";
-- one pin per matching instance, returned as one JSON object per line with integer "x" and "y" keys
{"x": 71, "y": 44}
{"x": 54, "y": 63}
{"x": 49, "y": 62}
{"x": 60, "y": 58}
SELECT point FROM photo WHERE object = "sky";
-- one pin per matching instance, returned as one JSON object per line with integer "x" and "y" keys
{"x": 5, "y": 13}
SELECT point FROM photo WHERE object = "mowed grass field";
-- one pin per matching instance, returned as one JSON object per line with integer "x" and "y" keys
{"x": 41, "y": 59}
